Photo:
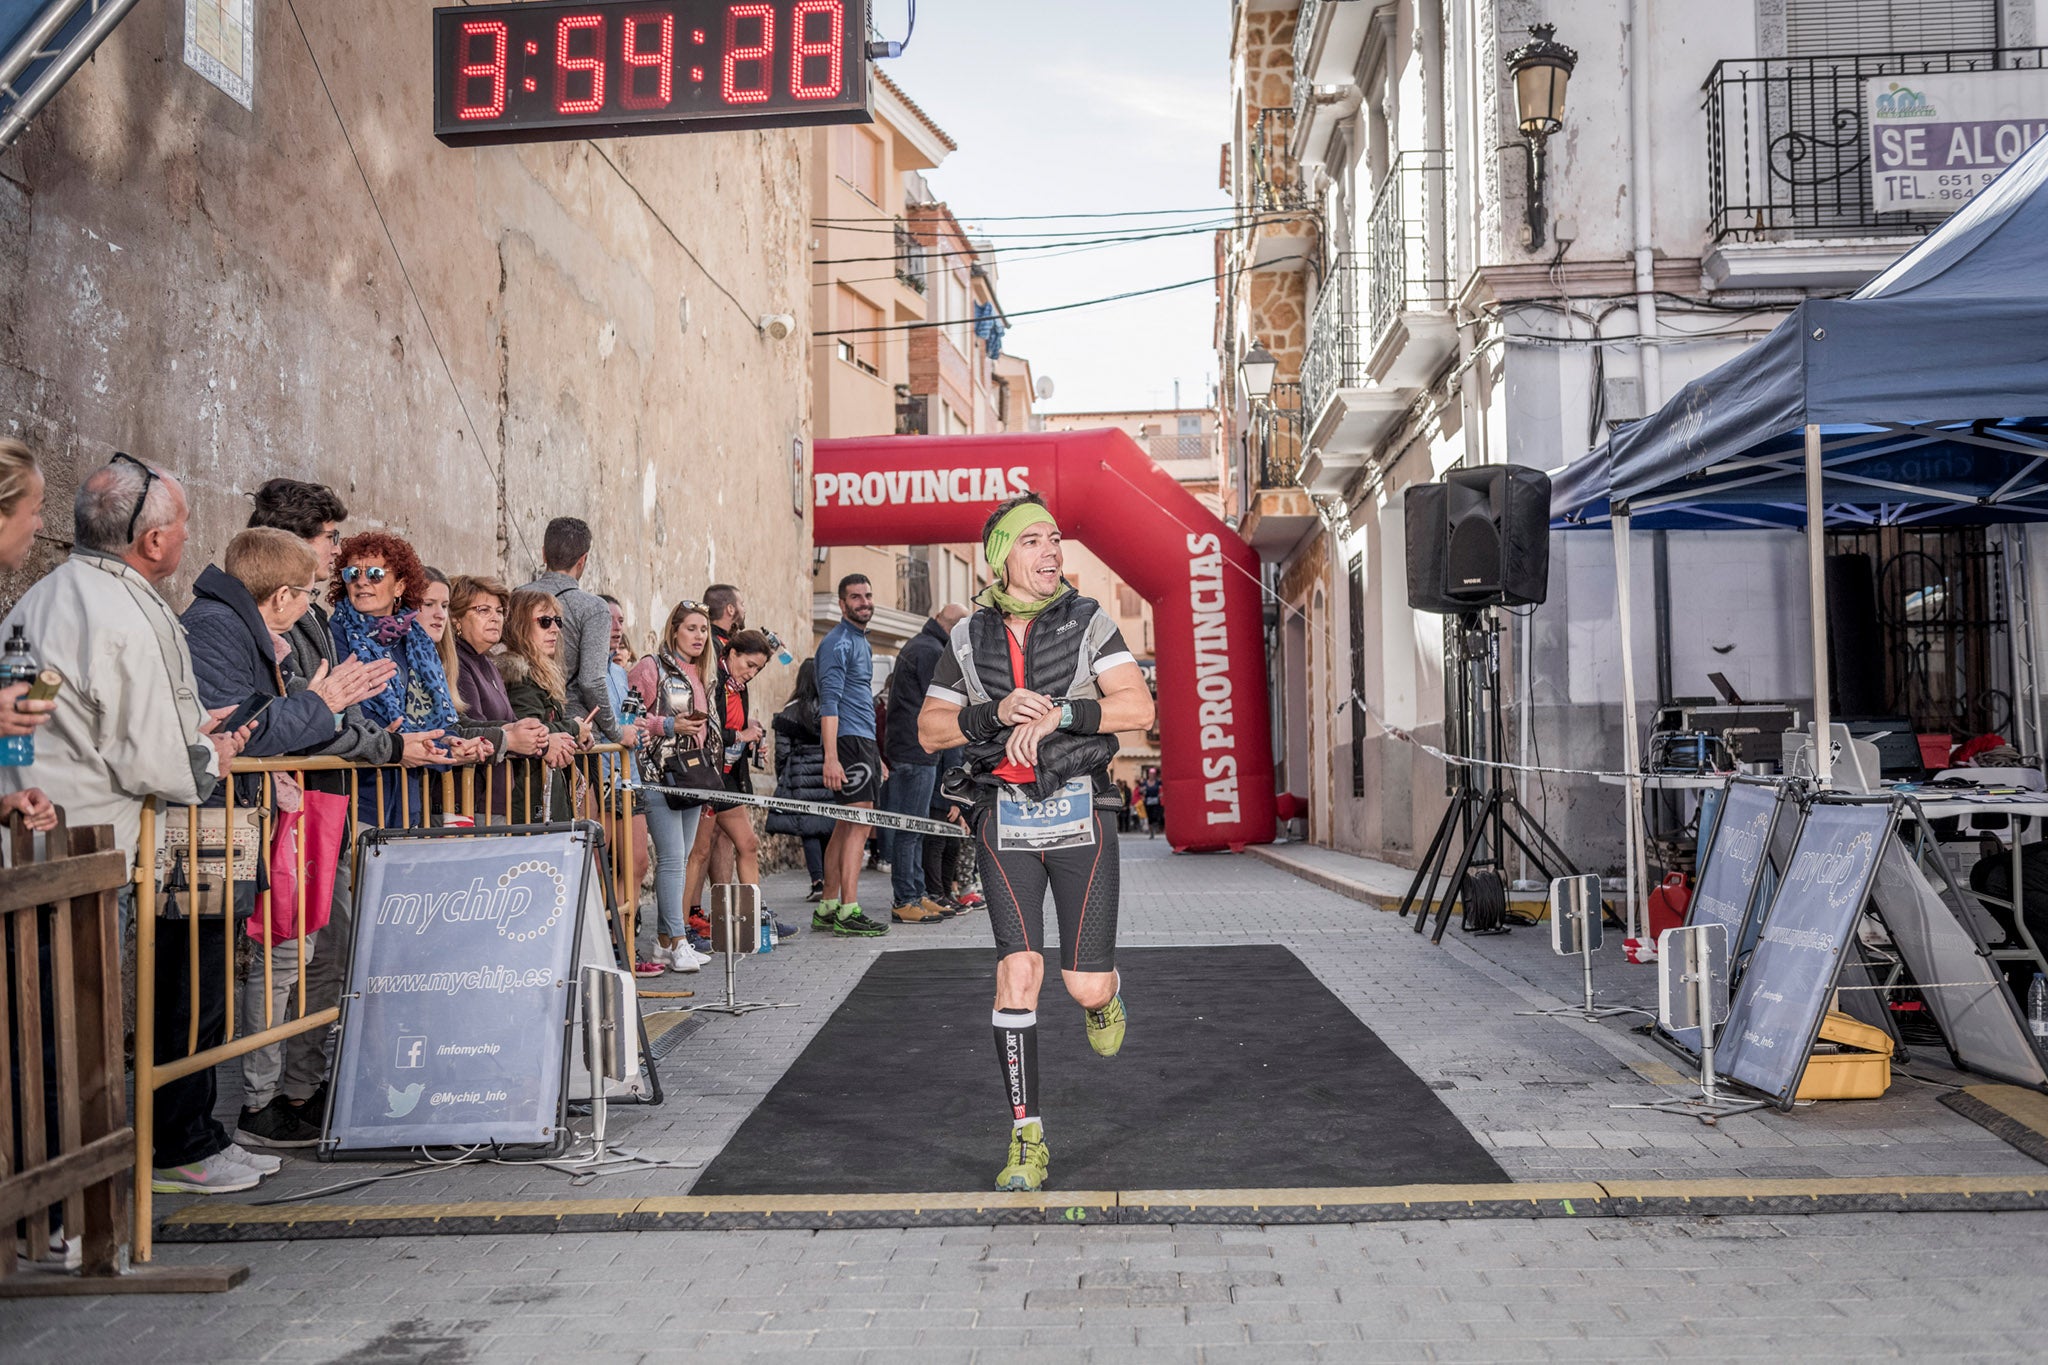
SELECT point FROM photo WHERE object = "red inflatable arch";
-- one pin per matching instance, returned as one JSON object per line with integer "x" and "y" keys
{"x": 1216, "y": 752}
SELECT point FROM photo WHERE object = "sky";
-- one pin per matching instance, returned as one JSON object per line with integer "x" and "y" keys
{"x": 1086, "y": 106}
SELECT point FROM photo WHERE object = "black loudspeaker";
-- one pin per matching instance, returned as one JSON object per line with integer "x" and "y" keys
{"x": 1481, "y": 538}
{"x": 1422, "y": 510}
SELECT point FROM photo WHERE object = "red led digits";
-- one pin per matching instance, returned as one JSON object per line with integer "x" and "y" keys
{"x": 567, "y": 66}
{"x": 491, "y": 68}
{"x": 735, "y": 93}
{"x": 831, "y": 48}
{"x": 638, "y": 60}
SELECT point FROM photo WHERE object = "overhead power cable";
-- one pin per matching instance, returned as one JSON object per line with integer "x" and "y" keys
{"x": 1210, "y": 278}
{"x": 1209, "y": 211}
{"x": 998, "y": 252}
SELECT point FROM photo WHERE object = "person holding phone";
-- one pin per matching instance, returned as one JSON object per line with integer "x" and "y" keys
{"x": 675, "y": 683}
{"x": 242, "y": 611}
{"x": 732, "y": 735}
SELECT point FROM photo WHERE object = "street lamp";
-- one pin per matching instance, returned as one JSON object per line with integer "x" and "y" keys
{"x": 1542, "y": 69}
{"x": 1256, "y": 371}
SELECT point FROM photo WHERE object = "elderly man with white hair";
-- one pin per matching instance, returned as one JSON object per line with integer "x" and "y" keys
{"x": 129, "y": 726}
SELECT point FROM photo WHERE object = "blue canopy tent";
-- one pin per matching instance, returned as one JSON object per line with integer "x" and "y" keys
{"x": 1922, "y": 399}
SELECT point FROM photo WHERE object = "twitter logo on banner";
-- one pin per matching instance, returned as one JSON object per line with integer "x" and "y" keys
{"x": 398, "y": 1103}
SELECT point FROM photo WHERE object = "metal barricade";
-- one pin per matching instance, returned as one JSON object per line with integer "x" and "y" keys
{"x": 190, "y": 860}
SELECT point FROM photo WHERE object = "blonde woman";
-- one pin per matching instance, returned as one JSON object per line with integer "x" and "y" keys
{"x": 676, "y": 683}
{"x": 531, "y": 666}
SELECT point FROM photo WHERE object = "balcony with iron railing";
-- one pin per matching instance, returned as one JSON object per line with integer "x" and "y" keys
{"x": 1304, "y": 52}
{"x": 1276, "y": 438}
{"x": 1335, "y": 358}
{"x": 913, "y": 585}
{"x": 1404, "y": 245}
{"x": 1277, "y": 183}
{"x": 1278, "y": 511}
{"x": 1788, "y": 142}
{"x": 913, "y": 258}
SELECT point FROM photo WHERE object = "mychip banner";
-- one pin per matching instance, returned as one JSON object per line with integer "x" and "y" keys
{"x": 1936, "y": 140}
{"x": 460, "y": 990}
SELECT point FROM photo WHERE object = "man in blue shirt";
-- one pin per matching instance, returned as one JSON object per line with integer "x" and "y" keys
{"x": 853, "y": 761}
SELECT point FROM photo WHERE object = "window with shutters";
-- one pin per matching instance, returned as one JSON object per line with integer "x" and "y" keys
{"x": 1839, "y": 27}
{"x": 1128, "y": 603}
{"x": 859, "y": 319}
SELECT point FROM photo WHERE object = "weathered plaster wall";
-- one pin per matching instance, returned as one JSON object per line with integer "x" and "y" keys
{"x": 212, "y": 288}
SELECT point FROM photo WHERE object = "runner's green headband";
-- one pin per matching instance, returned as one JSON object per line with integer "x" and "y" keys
{"x": 1011, "y": 525}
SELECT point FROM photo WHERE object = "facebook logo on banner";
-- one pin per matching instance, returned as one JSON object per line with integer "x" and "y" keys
{"x": 412, "y": 1053}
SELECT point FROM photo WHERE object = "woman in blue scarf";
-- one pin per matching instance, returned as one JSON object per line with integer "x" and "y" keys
{"x": 376, "y": 590}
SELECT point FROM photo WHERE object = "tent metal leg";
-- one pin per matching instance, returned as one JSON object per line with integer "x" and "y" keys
{"x": 1817, "y": 599}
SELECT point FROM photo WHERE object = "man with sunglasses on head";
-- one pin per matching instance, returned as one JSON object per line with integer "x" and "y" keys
{"x": 129, "y": 726}
{"x": 586, "y": 630}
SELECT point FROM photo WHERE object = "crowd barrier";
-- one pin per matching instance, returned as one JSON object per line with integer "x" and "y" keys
{"x": 191, "y": 860}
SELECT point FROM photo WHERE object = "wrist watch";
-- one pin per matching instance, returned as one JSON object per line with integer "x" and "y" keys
{"x": 1066, "y": 715}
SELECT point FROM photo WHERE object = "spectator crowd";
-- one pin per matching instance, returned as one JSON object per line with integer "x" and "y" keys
{"x": 302, "y": 642}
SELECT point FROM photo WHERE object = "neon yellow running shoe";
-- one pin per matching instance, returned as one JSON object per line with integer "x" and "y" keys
{"x": 1106, "y": 1027}
{"x": 1030, "y": 1159}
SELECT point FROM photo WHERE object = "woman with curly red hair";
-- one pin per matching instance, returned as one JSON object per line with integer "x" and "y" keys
{"x": 376, "y": 589}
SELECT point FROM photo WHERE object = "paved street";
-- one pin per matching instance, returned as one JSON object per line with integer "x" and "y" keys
{"x": 1535, "y": 1091}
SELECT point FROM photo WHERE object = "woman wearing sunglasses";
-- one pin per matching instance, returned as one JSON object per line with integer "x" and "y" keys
{"x": 531, "y": 666}
{"x": 376, "y": 590}
{"x": 676, "y": 682}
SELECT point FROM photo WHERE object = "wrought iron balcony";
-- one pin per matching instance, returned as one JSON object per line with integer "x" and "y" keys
{"x": 1404, "y": 242}
{"x": 1278, "y": 185}
{"x": 913, "y": 413}
{"x": 913, "y": 258}
{"x": 1304, "y": 48}
{"x": 1788, "y": 145}
{"x": 913, "y": 585}
{"x": 1335, "y": 359}
{"x": 1276, "y": 438}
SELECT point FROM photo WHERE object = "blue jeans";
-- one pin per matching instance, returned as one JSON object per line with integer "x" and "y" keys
{"x": 672, "y": 831}
{"x": 909, "y": 792}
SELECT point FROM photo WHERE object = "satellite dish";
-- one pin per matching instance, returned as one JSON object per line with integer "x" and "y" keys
{"x": 1043, "y": 388}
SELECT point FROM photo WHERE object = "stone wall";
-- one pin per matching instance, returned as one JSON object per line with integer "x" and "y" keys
{"x": 464, "y": 342}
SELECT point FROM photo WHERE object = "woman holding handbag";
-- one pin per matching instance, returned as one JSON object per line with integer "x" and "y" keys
{"x": 732, "y": 742}
{"x": 676, "y": 682}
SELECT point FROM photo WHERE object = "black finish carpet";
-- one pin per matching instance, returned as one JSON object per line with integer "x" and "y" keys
{"x": 1240, "y": 1071}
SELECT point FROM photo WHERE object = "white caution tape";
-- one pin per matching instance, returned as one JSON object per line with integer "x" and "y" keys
{"x": 852, "y": 815}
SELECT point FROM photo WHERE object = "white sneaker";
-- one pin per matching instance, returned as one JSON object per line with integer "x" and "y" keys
{"x": 255, "y": 1161}
{"x": 682, "y": 958}
{"x": 218, "y": 1174}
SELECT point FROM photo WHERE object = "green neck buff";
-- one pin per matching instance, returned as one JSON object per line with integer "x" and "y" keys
{"x": 996, "y": 549}
{"x": 994, "y": 596}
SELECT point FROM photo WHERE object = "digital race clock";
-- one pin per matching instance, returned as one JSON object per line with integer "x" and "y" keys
{"x": 543, "y": 71}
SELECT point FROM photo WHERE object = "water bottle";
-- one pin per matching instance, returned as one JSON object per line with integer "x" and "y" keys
{"x": 18, "y": 665}
{"x": 782, "y": 654}
{"x": 2037, "y": 1008}
{"x": 767, "y": 931}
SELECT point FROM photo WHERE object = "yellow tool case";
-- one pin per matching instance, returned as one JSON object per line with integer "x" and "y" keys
{"x": 1852, "y": 1061}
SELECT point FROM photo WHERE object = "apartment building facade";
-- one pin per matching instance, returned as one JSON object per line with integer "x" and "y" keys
{"x": 895, "y": 292}
{"x": 1437, "y": 289}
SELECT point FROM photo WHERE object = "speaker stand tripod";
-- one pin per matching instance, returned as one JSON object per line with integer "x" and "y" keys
{"x": 1485, "y": 814}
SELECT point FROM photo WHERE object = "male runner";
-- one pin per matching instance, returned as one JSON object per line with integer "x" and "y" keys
{"x": 853, "y": 761}
{"x": 1036, "y": 684}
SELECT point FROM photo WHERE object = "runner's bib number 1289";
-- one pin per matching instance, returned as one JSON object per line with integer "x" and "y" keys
{"x": 1065, "y": 819}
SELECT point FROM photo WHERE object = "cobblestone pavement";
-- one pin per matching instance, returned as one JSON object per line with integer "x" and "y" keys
{"x": 1913, "y": 1286}
{"x": 1535, "y": 1090}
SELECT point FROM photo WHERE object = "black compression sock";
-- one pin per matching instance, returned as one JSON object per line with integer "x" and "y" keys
{"x": 1017, "y": 1054}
